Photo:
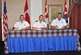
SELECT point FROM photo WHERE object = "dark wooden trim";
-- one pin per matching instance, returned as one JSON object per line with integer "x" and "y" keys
{"x": 0, "y": 20}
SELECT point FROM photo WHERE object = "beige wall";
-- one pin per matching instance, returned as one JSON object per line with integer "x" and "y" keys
{"x": 35, "y": 10}
{"x": 16, "y": 7}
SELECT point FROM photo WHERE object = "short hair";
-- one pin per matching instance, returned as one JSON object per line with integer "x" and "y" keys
{"x": 60, "y": 13}
{"x": 41, "y": 15}
{"x": 21, "y": 15}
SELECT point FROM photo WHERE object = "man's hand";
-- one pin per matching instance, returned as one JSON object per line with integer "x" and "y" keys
{"x": 64, "y": 27}
{"x": 54, "y": 27}
{"x": 45, "y": 28}
{"x": 26, "y": 28}
{"x": 14, "y": 28}
{"x": 23, "y": 29}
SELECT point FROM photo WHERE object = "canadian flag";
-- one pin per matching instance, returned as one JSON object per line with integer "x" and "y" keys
{"x": 65, "y": 10}
{"x": 27, "y": 17}
{"x": 46, "y": 12}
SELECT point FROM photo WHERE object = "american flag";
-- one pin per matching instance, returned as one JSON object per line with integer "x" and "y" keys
{"x": 27, "y": 17}
{"x": 5, "y": 20}
{"x": 46, "y": 12}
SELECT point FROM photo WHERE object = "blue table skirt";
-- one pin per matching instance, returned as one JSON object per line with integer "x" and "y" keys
{"x": 40, "y": 44}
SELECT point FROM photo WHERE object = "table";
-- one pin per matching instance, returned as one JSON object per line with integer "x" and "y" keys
{"x": 42, "y": 40}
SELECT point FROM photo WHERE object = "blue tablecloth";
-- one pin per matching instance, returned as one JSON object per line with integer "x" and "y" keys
{"x": 40, "y": 44}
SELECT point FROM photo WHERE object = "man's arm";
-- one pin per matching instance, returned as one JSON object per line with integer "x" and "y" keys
{"x": 34, "y": 28}
{"x": 53, "y": 24}
{"x": 26, "y": 28}
{"x": 14, "y": 28}
{"x": 54, "y": 27}
{"x": 29, "y": 27}
{"x": 44, "y": 28}
{"x": 64, "y": 27}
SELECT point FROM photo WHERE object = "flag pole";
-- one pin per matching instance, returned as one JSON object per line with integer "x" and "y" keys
{"x": 2, "y": 21}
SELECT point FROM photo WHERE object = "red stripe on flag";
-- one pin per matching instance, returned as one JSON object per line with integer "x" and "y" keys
{"x": 5, "y": 25}
{"x": 65, "y": 10}
{"x": 26, "y": 6}
{"x": 27, "y": 17}
{"x": 46, "y": 15}
{"x": 46, "y": 12}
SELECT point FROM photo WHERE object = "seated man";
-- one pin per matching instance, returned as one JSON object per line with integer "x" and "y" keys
{"x": 59, "y": 23}
{"x": 21, "y": 24}
{"x": 40, "y": 24}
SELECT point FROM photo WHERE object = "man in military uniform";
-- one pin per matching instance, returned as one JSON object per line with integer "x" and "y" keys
{"x": 21, "y": 24}
{"x": 40, "y": 24}
{"x": 59, "y": 23}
